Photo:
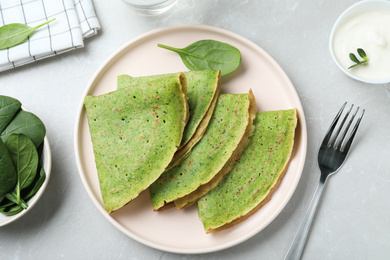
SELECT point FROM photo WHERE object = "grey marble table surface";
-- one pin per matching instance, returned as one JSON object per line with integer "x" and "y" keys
{"x": 352, "y": 221}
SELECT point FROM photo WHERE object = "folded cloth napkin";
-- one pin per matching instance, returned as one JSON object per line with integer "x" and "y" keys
{"x": 74, "y": 21}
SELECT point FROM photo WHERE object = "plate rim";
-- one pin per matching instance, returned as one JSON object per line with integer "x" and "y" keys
{"x": 106, "y": 63}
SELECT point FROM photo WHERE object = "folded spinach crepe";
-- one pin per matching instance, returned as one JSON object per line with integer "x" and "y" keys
{"x": 247, "y": 187}
{"x": 135, "y": 132}
{"x": 212, "y": 157}
{"x": 202, "y": 93}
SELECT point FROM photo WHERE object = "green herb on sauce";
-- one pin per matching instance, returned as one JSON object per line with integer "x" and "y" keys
{"x": 362, "y": 54}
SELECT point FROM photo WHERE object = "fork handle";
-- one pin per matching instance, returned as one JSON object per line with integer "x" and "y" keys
{"x": 296, "y": 247}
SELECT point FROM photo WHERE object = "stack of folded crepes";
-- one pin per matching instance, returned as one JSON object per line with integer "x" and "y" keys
{"x": 176, "y": 135}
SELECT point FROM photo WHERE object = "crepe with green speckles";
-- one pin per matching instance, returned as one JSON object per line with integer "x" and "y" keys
{"x": 225, "y": 137}
{"x": 135, "y": 132}
{"x": 247, "y": 187}
{"x": 203, "y": 89}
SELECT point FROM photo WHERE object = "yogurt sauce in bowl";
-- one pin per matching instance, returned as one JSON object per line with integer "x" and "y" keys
{"x": 365, "y": 25}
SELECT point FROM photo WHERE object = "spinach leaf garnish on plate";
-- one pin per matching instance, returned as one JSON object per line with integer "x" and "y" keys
{"x": 208, "y": 55}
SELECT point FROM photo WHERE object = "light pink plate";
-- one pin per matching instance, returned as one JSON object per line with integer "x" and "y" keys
{"x": 182, "y": 231}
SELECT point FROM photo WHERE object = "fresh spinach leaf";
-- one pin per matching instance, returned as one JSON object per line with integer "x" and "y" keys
{"x": 9, "y": 205}
{"x": 36, "y": 185}
{"x": 28, "y": 124}
{"x": 8, "y": 176}
{"x": 208, "y": 54}
{"x": 13, "y": 197}
{"x": 21, "y": 134}
{"x": 8, "y": 108}
{"x": 5, "y": 203}
{"x": 16, "y": 33}
{"x": 11, "y": 210}
{"x": 25, "y": 158}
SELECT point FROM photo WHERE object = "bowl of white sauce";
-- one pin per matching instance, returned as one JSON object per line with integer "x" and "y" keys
{"x": 365, "y": 25}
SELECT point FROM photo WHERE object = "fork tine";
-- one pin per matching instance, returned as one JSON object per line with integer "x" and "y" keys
{"x": 341, "y": 139}
{"x": 352, "y": 135}
{"x": 332, "y": 126}
{"x": 333, "y": 142}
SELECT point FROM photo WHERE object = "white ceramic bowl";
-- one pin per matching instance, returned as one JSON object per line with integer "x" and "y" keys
{"x": 358, "y": 8}
{"x": 46, "y": 164}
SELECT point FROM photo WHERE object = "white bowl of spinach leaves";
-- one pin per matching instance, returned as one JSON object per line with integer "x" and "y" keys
{"x": 25, "y": 160}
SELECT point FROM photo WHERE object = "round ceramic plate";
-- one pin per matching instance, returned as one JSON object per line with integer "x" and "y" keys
{"x": 182, "y": 231}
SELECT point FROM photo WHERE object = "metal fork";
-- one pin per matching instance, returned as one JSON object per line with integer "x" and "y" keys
{"x": 331, "y": 157}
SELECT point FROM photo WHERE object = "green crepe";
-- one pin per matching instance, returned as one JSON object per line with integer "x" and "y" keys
{"x": 203, "y": 89}
{"x": 135, "y": 132}
{"x": 249, "y": 184}
{"x": 230, "y": 125}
